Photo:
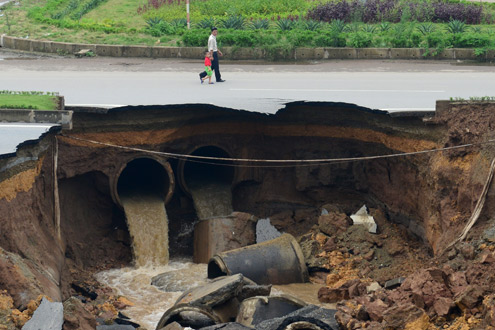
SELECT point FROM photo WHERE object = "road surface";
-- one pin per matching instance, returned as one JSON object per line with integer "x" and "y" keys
{"x": 254, "y": 86}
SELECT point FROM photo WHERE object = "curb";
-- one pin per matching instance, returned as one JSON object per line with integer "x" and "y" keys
{"x": 62, "y": 117}
{"x": 236, "y": 53}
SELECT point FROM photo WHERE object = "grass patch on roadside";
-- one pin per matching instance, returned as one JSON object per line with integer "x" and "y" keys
{"x": 28, "y": 100}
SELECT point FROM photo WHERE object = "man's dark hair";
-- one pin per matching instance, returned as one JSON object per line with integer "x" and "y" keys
{"x": 213, "y": 29}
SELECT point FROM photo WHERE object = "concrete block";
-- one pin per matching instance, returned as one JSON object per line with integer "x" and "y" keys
{"x": 319, "y": 53}
{"x": 232, "y": 53}
{"x": 39, "y": 46}
{"x": 464, "y": 54}
{"x": 1, "y": 39}
{"x": 23, "y": 44}
{"x": 446, "y": 54}
{"x": 64, "y": 48}
{"x": 136, "y": 51}
{"x": 8, "y": 42}
{"x": 194, "y": 52}
{"x": 405, "y": 53}
{"x": 164, "y": 52}
{"x": 372, "y": 53}
{"x": 340, "y": 53}
{"x": 304, "y": 53}
{"x": 490, "y": 55}
{"x": 48, "y": 316}
{"x": 109, "y": 50}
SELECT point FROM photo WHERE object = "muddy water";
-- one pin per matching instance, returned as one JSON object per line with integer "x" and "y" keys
{"x": 148, "y": 226}
{"x": 211, "y": 199}
{"x": 149, "y": 302}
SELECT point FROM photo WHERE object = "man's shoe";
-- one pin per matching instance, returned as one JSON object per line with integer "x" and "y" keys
{"x": 221, "y": 80}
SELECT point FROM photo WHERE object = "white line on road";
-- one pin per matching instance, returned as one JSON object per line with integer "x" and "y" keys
{"x": 335, "y": 90}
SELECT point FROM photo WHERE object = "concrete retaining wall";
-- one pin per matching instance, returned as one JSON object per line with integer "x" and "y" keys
{"x": 235, "y": 53}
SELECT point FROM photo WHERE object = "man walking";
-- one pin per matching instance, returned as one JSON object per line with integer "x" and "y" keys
{"x": 212, "y": 47}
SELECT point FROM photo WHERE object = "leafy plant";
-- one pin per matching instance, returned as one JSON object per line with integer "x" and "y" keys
{"x": 359, "y": 40}
{"x": 455, "y": 26}
{"x": 384, "y": 26}
{"x": 310, "y": 25}
{"x": 206, "y": 23}
{"x": 259, "y": 24}
{"x": 338, "y": 26}
{"x": 234, "y": 22}
{"x": 179, "y": 23}
{"x": 368, "y": 28}
{"x": 426, "y": 28}
{"x": 285, "y": 24}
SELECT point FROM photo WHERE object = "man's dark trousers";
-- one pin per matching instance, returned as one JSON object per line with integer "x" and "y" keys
{"x": 216, "y": 66}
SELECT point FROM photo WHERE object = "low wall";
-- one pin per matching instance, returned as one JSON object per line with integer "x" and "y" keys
{"x": 235, "y": 53}
{"x": 62, "y": 117}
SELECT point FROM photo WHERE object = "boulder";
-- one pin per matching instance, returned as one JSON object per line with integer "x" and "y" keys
{"x": 48, "y": 316}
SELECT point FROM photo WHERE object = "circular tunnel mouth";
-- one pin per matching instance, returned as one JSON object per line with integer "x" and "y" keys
{"x": 194, "y": 172}
{"x": 145, "y": 175}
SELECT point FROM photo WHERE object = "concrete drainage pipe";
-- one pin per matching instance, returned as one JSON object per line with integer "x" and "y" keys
{"x": 143, "y": 174}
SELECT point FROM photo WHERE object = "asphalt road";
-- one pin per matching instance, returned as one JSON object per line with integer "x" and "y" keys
{"x": 254, "y": 86}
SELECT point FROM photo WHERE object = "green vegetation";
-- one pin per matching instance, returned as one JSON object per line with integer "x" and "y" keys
{"x": 274, "y": 25}
{"x": 28, "y": 100}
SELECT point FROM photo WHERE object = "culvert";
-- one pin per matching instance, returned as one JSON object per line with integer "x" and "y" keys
{"x": 143, "y": 174}
{"x": 196, "y": 171}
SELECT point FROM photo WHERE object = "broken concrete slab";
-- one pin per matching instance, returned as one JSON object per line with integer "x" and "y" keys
{"x": 48, "y": 316}
{"x": 394, "y": 283}
{"x": 227, "y": 326}
{"x": 265, "y": 231}
{"x": 361, "y": 217}
{"x": 308, "y": 317}
{"x": 115, "y": 327}
{"x": 258, "y": 309}
{"x": 214, "y": 293}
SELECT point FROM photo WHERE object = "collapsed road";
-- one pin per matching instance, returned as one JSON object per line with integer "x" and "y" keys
{"x": 74, "y": 201}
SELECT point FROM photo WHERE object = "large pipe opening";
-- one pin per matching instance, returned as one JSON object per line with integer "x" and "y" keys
{"x": 194, "y": 172}
{"x": 144, "y": 175}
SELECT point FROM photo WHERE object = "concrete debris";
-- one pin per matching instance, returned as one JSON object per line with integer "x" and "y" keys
{"x": 375, "y": 286}
{"x": 258, "y": 309}
{"x": 361, "y": 217}
{"x": 115, "y": 327}
{"x": 265, "y": 231}
{"x": 308, "y": 317}
{"x": 48, "y": 316}
{"x": 392, "y": 284}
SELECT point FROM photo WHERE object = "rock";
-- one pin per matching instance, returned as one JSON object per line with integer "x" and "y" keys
{"x": 468, "y": 252}
{"x": 114, "y": 327}
{"x": 123, "y": 321}
{"x": 172, "y": 326}
{"x": 329, "y": 245}
{"x": 76, "y": 317}
{"x": 392, "y": 284}
{"x": 333, "y": 223}
{"x": 442, "y": 306}
{"x": 332, "y": 295}
{"x": 48, "y": 316}
{"x": 489, "y": 309}
{"x": 249, "y": 291}
{"x": 174, "y": 281}
{"x": 265, "y": 231}
{"x": 375, "y": 286}
{"x": 469, "y": 298}
{"x": 398, "y": 316}
{"x": 376, "y": 309}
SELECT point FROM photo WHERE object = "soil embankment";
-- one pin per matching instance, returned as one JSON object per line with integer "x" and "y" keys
{"x": 64, "y": 220}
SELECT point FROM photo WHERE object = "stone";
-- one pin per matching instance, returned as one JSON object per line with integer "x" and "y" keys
{"x": 361, "y": 217}
{"x": 392, "y": 284}
{"x": 333, "y": 223}
{"x": 376, "y": 309}
{"x": 442, "y": 306}
{"x": 174, "y": 281}
{"x": 226, "y": 326}
{"x": 332, "y": 295}
{"x": 397, "y": 317}
{"x": 115, "y": 327}
{"x": 48, "y": 316}
{"x": 265, "y": 231}
{"x": 467, "y": 250}
{"x": 76, "y": 317}
{"x": 469, "y": 298}
{"x": 375, "y": 286}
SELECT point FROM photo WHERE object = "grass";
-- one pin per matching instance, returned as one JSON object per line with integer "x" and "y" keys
{"x": 39, "y": 102}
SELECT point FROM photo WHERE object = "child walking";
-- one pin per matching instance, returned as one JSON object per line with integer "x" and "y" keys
{"x": 208, "y": 72}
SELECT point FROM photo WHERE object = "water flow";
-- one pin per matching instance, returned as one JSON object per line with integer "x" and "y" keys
{"x": 211, "y": 199}
{"x": 148, "y": 226}
{"x": 149, "y": 302}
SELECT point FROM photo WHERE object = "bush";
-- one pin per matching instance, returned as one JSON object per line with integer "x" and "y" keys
{"x": 238, "y": 38}
{"x": 195, "y": 38}
{"x": 330, "y": 39}
{"x": 331, "y": 11}
{"x": 472, "y": 40}
{"x": 299, "y": 38}
{"x": 359, "y": 40}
